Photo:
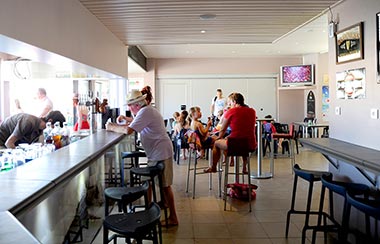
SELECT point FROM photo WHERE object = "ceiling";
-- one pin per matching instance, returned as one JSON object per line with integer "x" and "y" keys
{"x": 232, "y": 28}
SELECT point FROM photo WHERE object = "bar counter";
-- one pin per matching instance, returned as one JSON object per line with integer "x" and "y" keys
{"x": 27, "y": 186}
{"x": 359, "y": 156}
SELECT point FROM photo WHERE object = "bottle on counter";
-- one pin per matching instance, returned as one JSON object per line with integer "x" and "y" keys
{"x": 47, "y": 133}
{"x": 65, "y": 139}
{"x": 57, "y": 134}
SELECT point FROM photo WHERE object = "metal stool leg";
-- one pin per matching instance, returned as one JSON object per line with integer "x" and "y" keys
{"x": 249, "y": 183}
{"x": 226, "y": 183}
{"x": 188, "y": 171}
{"x": 292, "y": 205}
{"x": 195, "y": 172}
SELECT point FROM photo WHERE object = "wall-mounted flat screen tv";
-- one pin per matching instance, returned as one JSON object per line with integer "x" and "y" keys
{"x": 297, "y": 75}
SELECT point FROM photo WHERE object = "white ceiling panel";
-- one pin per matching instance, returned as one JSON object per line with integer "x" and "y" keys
{"x": 172, "y": 28}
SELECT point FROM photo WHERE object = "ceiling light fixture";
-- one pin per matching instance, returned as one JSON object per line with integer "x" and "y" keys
{"x": 207, "y": 16}
{"x": 203, "y": 31}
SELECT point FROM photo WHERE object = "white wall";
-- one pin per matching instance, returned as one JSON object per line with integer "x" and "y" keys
{"x": 63, "y": 27}
{"x": 354, "y": 124}
{"x": 259, "y": 92}
{"x": 232, "y": 67}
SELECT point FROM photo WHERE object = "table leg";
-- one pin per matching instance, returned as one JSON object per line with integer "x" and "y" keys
{"x": 260, "y": 174}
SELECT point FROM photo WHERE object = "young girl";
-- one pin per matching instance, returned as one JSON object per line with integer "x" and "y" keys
{"x": 202, "y": 132}
{"x": 180, "y": 130}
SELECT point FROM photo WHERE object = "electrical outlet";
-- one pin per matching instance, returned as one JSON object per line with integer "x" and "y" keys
{"x": 374, "y": 113}
{"x": 338, "y": 110}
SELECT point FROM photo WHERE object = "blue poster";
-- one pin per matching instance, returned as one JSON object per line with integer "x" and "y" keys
{"x": 325, "y": 103}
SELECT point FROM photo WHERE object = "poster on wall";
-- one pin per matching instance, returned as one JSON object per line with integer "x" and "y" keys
{"x": 310, "y": 103}
{"x": 350, "y": 84}
{"x": 325, "y": 103}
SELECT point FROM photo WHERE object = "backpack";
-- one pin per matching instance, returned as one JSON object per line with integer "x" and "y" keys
{"x": 267, "y": 131}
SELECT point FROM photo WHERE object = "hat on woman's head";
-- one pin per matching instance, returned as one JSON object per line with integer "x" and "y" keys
{"x": 135, "y": 96}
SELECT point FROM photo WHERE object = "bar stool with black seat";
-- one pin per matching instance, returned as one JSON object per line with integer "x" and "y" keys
{"x": 116, "y": 193}
{"x": 310, "y": 176}
{"x": 141, "y": 225}
{"x": 134, "y": 162}
{"x": 370, "y": 206}
{"x": 151, "y": 172}
{"x": 238, "y": 147}
{"x": 194, "y": 147}
{"x": 341, "y": 189}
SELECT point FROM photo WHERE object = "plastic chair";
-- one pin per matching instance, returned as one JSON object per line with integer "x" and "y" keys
{"x": 341, "y": 189}
{"x": 140, "y": 225}
{"x": 370, "y": 207}
{"x": 311, "y": 177}
{"x": 116, "y": 194}
{"x": 134, "y": 162}
{"x": 151, "y": 172}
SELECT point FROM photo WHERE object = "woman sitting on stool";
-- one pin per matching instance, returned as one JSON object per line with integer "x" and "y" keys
{"x": 242, "y": 121}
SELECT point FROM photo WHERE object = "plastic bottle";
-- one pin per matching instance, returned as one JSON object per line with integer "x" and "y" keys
{"x": 47, "y": 133}
{"x": 65, "y": 134}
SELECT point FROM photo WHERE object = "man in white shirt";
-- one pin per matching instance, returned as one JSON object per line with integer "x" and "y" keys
{"x": 157, "y": 144}
{"x": 218, "y": 103}
{"x": 45, "y": 104}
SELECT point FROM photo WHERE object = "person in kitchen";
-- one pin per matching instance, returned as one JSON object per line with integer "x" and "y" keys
{"x": 21, "y": 128}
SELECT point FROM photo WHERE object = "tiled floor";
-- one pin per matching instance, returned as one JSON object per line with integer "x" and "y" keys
{"x": 203, "y": 220}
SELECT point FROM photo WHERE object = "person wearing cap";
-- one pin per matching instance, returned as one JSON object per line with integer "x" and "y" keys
{"x": 157, "y": 145}
{"x": 21, "y": 128}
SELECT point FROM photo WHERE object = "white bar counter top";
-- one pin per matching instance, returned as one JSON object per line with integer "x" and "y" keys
{"x": 26, "y": 186}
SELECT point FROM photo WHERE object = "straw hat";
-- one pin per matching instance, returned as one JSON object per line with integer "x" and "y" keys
{"x": 135, "y": 96}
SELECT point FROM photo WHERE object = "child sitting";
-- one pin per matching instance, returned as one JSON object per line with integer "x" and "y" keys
{"x": 202, "y": 132}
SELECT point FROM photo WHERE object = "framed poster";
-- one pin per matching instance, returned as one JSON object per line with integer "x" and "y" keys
{"x": 378, "y": 43}
{"x": 349, "y": 44}
{"x": 350, "y": 84}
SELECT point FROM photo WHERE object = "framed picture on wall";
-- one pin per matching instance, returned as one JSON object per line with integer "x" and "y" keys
{"x": 378, "y": 44}
{"x": 351, "y": 84}
{"x": 349, "y": 44}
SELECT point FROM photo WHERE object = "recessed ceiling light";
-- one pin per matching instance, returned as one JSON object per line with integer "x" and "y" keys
{"x": 203, "y": 31}
{"x": 207, "y": 16}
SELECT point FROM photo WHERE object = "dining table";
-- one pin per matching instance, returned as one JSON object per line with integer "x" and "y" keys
{"x": 313, "y": 126}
